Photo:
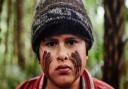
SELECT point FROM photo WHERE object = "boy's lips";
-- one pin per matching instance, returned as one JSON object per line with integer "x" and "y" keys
{"x": 63, "y": 69}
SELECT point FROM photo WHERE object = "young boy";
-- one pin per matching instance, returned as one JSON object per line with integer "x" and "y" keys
{"x": 61, "y": 39}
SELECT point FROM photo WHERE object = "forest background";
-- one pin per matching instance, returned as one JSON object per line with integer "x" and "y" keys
{"x": 108, "y": 58}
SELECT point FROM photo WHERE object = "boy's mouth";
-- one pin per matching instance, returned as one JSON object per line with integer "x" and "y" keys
{"x": 63, "y": 69}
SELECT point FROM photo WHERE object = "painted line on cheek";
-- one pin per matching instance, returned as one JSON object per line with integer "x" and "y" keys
{"x": 76, "y": 61}
{"x": 46, "y": 62}
{"x": 44, "y": 56}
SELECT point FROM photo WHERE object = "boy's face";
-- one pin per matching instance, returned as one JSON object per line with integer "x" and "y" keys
{"x": 63, "y": 59}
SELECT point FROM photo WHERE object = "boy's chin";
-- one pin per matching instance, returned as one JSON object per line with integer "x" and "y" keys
{"x": 65, "y": 85}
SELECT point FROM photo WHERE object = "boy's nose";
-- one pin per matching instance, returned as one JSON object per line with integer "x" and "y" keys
{"x": 62, "y": 53}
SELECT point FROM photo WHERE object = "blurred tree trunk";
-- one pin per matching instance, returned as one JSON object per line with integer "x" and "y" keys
{"x": 1, "y": 4}
{"x": 2, "y": 65}
{"x": 18, "y": 33}
{"x": 9, "y": 12}
{"x": 113, "y": 43}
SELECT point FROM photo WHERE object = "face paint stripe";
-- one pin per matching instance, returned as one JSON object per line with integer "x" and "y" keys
{"x": 75, "y": 58}
{"x": 44, "y": 56}
{"x": 46, "y": 62}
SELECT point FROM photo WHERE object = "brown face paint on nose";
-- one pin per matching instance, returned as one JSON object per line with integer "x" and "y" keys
{"x": 46, "y": 61}
{"x": 75, "y": 58}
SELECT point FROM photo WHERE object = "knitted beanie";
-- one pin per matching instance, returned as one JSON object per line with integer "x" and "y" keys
{"x": 58, "y": 12}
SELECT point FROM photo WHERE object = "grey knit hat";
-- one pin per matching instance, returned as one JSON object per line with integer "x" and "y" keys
{"x": 58, "y": 12}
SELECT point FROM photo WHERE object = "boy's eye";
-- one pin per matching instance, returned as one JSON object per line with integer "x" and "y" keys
{"x": 71, "y": 42}
{"x": 51, "y": 43}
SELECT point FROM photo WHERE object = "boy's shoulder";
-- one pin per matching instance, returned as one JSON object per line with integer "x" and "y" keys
{"x": 30, "y": 84}
{"x": 101, "y": 85}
